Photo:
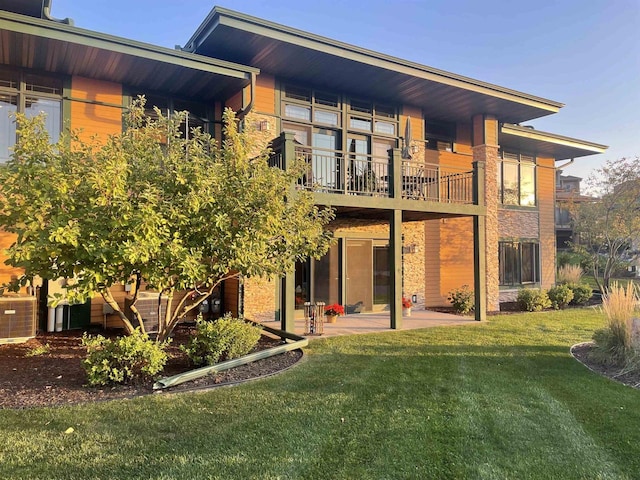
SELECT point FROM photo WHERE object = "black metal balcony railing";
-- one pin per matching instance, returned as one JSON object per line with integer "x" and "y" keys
{"x": 331, "y": 171}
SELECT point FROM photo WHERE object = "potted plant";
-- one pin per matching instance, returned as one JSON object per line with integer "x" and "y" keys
{"x": 406, "y": 306}
{"x": 333, "y": 311}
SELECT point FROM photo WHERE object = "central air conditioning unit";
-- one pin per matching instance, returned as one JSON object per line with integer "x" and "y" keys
{"x": 17, "y": 318}
{"x": 147, "y": 306}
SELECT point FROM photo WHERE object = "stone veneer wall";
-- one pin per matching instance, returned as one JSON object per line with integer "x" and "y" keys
{"x": 489, "y": 155}
{"x": 518, "y": 224}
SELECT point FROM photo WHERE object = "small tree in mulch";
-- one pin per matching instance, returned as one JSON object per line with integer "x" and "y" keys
{"x": 179, "y": 212}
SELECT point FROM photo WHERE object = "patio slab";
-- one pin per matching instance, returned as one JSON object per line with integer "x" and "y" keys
{"x": 380, "y": 321}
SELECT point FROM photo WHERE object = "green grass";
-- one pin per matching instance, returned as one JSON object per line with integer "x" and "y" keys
{"x": 501, "y": 400}
{"x": 589, "y": 280}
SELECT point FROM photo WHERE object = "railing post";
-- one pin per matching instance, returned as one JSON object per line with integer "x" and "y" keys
{"x": 478, "y": 183}
{"x": 288, "y": 149}
{"x": 396, "y": 175}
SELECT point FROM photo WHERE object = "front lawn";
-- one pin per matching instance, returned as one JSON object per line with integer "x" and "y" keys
{"x": 497, "y": 400}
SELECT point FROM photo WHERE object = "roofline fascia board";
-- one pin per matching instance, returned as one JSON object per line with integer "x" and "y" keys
{"x": 62, "y": 32}
{"x": 230, "y": 18}
{"x": 525, "y": 132}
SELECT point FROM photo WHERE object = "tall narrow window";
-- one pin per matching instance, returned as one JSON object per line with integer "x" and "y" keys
{"x": 517, "y": 180}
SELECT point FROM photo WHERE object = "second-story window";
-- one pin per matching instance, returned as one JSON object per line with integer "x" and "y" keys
{"x": 517, "y": 179}
{"x": 440, "y": 135}
{"x": 198, "y": 114}
{"x": 29, "y": 94}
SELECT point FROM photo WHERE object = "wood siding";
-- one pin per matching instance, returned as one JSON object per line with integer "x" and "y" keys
{"x": 235, "y": 102}
{"x": 546, "y": 204}
{"x": 265, "y": 101}
{"x": 7, "y": 272}
{"x": 230, "y": 301}
{"x": 95, "y": 108}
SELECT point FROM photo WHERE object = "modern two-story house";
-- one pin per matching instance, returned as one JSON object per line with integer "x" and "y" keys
{"x": 435, "y": 182}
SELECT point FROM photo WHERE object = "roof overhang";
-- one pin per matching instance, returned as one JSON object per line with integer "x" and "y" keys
{"x": 546, "y": 144}
{"x": 306, "y": 58}
{"x": 58, "y": 48}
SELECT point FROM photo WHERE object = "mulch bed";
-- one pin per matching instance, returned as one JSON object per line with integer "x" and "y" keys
{"x": 57, "y": 377}
{"x": 581, "y": 353}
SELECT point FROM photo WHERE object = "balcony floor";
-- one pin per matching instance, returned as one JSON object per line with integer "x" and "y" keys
{"x": 379, "y": 322}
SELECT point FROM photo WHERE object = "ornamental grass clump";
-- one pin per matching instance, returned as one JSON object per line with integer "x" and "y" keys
{"x": 615, "y": 344}
{"x": 226, "y": 338}
{"x": 570, "y": 274}
{"x": 127, "y": 359}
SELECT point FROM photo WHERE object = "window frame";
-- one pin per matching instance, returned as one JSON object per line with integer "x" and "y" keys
{"x": 444, "y": 136}
{"x": 521, "y": 161}
{"x": 20, "y": 87}
{"x": 516, "y": 258}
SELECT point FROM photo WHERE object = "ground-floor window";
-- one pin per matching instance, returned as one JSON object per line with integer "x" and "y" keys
{"x": 519, "y": 262}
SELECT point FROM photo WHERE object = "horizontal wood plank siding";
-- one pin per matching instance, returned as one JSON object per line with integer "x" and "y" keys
{"x": 230, "y": 302}
{"x": 235, "y": 102}
{"x": 546, "y": 205}
{"x": 456, "y": 255}
{"x": 265, "y": 94}
{"x": 88, "y": 115}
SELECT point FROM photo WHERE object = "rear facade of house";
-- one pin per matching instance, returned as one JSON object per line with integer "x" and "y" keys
{"x": 434, "y": 181}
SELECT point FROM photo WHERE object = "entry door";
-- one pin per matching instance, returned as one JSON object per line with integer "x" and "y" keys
{"x": 359, "y": 275}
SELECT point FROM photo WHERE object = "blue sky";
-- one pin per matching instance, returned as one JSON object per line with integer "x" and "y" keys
{"x": 583, "y": 53}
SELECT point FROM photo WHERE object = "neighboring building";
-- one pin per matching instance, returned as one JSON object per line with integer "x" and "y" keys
{"x": 567, "y": 192}
{"x": 434, "y": 182}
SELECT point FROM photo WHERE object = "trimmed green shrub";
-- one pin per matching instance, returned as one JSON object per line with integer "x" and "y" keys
{"x": 533, "y": 299}
{"x": 127, "y": 359}
{"x": 226, "y": 338}
{"x": 462, "y": 299}
{"x": 581, "y": 293}
{"x": 560, "y": 296}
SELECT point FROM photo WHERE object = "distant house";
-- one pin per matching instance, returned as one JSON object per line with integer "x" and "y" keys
{"x": 434, "y": 181}
{"x": 567, "y": 192}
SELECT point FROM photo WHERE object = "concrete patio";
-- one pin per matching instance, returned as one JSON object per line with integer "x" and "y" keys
{"x": 379, "y": 322}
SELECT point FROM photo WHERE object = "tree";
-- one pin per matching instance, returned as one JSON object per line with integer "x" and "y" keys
{"x": 608, "y": 227}
{"x": 150, "y": 205}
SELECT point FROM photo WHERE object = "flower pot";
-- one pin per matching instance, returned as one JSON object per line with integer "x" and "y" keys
{"x": 331, "y": 318}
{"x": 406, "y": 312}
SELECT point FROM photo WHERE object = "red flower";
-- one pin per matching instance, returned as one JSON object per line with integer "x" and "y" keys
{"x": 335, "y": 309}
{"x": 406, "y": 302}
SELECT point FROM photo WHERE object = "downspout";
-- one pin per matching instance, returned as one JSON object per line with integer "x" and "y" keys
{"x": 245, "y": 110}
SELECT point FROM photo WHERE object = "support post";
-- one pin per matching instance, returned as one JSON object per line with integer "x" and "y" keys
{"x": 288, "y": 303}
{"x": 395, "y": 244}
{"x": 396, "y": 177}
{"x": 479, "y": 244}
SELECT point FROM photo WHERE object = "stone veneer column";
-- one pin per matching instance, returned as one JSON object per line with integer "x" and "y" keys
{"x": 485, "y": 150}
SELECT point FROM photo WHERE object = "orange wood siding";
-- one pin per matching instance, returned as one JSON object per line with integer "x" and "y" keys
{"x": 546, "y": 205}
{"x": 463, "y": 139}
{"x": 417, "y": 122}
{"x": 432, "y": 263}
{"x": 235, "y": 102}
{"x": 265, "y": 101}
{"x": 113, "y": 321}
{"x": 92, "y": 118}
{"x": 448, "y": 258}
{"x": 448, "y": 159}
{"x": 7, "y": 272}
{"x": 230, "y": 302}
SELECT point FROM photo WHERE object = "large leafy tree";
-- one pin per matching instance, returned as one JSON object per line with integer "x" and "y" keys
{"x": 153, "y": 205}
{"x": 608, "y": 227}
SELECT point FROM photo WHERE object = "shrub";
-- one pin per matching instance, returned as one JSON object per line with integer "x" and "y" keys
{"x": 570, "y": 274}
{"x": 39, "y": 350}
{"x": 462, "y": 299}
{"x": 581, "y": 293}
{"x": 560, "y": 296}
{"x": 533, "y": 300}
{"x": 125, "y": 359}
{"x": 226, "y": 337}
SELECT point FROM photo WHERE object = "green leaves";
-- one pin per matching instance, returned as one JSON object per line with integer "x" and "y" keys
{"x": 177, "y": 212}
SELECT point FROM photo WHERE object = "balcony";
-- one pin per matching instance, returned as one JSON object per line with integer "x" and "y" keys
{"x": 363, "y": 175}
